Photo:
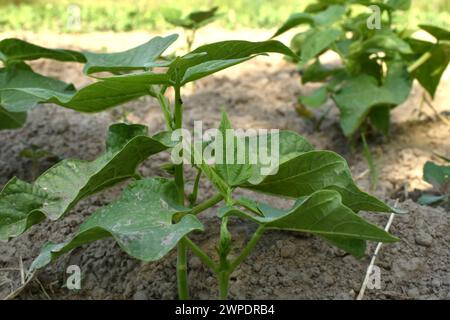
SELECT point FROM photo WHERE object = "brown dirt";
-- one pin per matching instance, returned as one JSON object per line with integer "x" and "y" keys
{"x": 284, "y": 265}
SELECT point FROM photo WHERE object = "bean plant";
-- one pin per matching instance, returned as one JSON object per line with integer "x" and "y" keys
{"x": 191, "y": 23}
{"x": 439, "y": 177}
{"x": 377, "y": 62}
{"x": 153, "y": 215}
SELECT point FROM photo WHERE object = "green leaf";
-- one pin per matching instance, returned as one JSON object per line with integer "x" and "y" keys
{"x": 399, "y": 4}
{"x": 329, "y": 16}
{"x": 313, "y": 171}
{"x": 58, "y": 189}
{"x": 19, "y": 76}
{"x": 140, "y": 221}
{"x": 15, "y": 50}
{"x": 430, "y": 72}
{"x": 200, "y": 18}
{"x": 385, "y": 41}
{"x": 194, "y": 20}
{"x": 323, "y": 214}
{"x": 316, "y": 99}
{"x": 316, "y": 72}
{"x": 138, "y": 58}
{"x": 439, "y": 33}
{"x": 326, "y": 17}
{"x": 254, "y": 155}
{"x": 429, "y": 199}
{"x": 210, "y": 58}
{"x": 293, "y": 21}
{"x": 106, "y": 93}
{"x": 362, "y": 93}
{"x": 438, "y": 176}
{"x": 11, "y": 120}
{"x": 380, "y": 118}
{"x": 318, "y": 41}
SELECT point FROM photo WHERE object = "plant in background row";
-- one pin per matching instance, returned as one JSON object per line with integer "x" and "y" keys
{"x": 376, "y": 67}
{"x": 153, "y": 216}
{"x": 191, "y": 23}
{"x": 439, "y": 177}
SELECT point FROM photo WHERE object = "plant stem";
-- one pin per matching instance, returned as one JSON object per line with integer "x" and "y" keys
{"x": 424, "y": 58}
{"x": 248, "y": 248}
{"x": 179, "y": 177}
{"x": 200, "y": 254}
{"x": 193, "y": 196}
{"x": 183, "y": 291}
{"x": 224, "y": 281}
{"x": 207, "y": 204}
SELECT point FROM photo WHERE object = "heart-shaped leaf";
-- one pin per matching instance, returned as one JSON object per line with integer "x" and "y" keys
{"x": 430, "y": 72}
{"x": 58, "y": 189}
{"x": 140, "y": 221}
{"x": 103, "y": 94}
{"x": 20, "y": 76}
{"x": 317, "y": 41}
{"x": 323, "y": 214}
{"x": 362, "y": 93}
{"x": 16, "y": 50}
{"x": 313, "y": 171}
{"x": 210, "y": 58}
{"x": 138, "y": 58}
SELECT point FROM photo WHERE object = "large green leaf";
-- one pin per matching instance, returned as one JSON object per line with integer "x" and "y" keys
{"x": 20, "y": 76}
{"x": 15, "y": 50}
{"x": 210, "y": 58}
{"x": 318, "y": 41}
{"x": 439, "y": 33}
{"x": 138, "y": 58}
{"x": 430, "y": 72}
{"x": 312, "y": 171}
{"x": 11, "y": 120}
{"x": 293, "y": 21}
{"x": 385, "y": 41}
{"x": 58, "y": 189}
{"x": 140, "y": 221}
{"x": 103, "y": 94}
{"x": 362, "y": 93}
{"x": 323, "y": 214}
{"x": 326, "y": 17}
{"x": 246, "y": 159}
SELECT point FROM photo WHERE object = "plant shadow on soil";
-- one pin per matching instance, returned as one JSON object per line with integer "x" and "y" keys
{"x": 284, "y": 265}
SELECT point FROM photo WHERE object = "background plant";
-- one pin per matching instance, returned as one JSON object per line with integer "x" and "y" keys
{"x": 377, "y": 66}
{"x": 153, "y": 216}
{"x": 123, "y": 15}
{"x": 191, "y": 23}
{"x": 439, "y": 177}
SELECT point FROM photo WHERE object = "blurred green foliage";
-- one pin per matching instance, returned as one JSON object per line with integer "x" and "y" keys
{"x": 121, "y": 15}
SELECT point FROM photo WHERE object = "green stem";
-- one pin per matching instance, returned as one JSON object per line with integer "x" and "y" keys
{"x": 201, "y": 254}
{"x": 193, "y": 196}
{"x": 248, "y": 248}
{"x": 207, "y": 204}
{"x": 165, "y": 110}
{"x": 224, "y": 282}
{"x": 424, "y": 58}
{"x": 183, "y": 291}
{"x": 179, "y": 176}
